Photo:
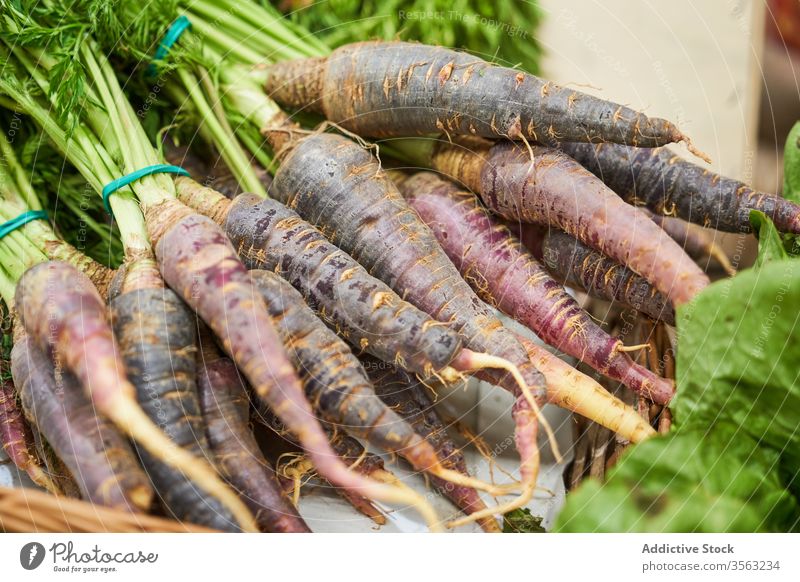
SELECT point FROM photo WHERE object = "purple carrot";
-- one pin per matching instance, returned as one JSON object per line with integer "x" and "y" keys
{"x": 399, "y": 88}
{"x": 96, "y": 454}
{"x": 226, "y": 410}
{"x": 17, "y": 439}
{"x": 64, "y": 316}
{"x": 545, "y": 186}
{"x": 409, "y": 398}
{"x": 199, "y": 263}
{"x": 668, "y": 184}
{"x": 493, "y": 260}
{"x": 573, "y": 263}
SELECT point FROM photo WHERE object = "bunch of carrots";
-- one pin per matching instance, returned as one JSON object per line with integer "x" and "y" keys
{"x": 324, "y": 295}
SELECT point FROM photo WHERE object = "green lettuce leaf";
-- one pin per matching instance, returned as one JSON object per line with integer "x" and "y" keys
{"x": 791, "y": 165}
{"x": 770, "y": 244}
{"x": 688, "y": 481}
{"x": 733, "y": 460}
{"x": 737, "y": 362}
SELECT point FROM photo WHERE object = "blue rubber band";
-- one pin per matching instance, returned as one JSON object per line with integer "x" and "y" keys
{"x": 29, "y": 216}
{"x": 127, "y": 179}
{"x": 174, "y": 32}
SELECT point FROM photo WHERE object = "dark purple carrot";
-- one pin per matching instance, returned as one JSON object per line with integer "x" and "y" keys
{"x": 225, "y": 407}
{"x": 17, "y": 439}
{"x": 575, "y": 264}
{"x": 199, "y": 263}
{"x": 336, "y": 384}
{"x": 408, "y": 397}
{"x": 64, "y": 316}
{"x": 695, "y": 241}
{"x": 56, "y": 469}
{"x": 668, "y": 184}
{"x": 545, "y": 186}
{"x": 363, "y": 309}
{"x": 98, "y": 457}
{"x": 155, "y": 333}
{"x": 339, "y": 186}
{"x": 499, "y": 268}
{"x": 398, "y": 88}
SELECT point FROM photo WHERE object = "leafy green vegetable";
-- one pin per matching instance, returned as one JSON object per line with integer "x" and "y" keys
{"x": 739, "y": 345}
{"x": 688, "y": 481}
{"x": 736, "y": 448}
{"x": 522, "y": 521}
{"x": 506, "y": 29}
{"x": 791, "y": 165}
{"x": 770, "y": 244}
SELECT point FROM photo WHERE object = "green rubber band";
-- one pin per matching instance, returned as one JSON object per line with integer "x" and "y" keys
{"x": 174, "y": 32}
{"x": 127, "y": 179}
{"x": 29, "y": 216}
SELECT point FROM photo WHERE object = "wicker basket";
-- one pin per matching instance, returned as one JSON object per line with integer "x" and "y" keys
{"x": 28, "y": 510}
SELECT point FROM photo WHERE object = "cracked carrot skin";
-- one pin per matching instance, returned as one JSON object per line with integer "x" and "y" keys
{"x": 363, "y": 309}
{"x": 199, "y": 263}
{"x": 668, "y": 184}
{"x": 225, "y": 406}
{"x": 573, "y": 263}
{"x": 338, "y": 186}
{"x": 383, "y": 89}
{"x": 97, "y": 455}
{"x": 155, "y": 334}
{"x": 501, "y": 270}
{"x": 335, "y": 382}
{"x": 408, "y": 397}
{"x": 17, "y": 438}
{"x": 545, "y": 186}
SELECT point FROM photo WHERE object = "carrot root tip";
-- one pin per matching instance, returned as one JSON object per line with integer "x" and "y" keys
{"x": 695, "y": 151}
{"x": 623, "y": 348}
{"x": 467, "y": 481}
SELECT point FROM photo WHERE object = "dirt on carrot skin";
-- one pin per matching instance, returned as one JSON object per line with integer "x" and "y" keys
{"x": 198, "y": 261}
{"x": 64, "y": 316}
{"x": 337, "y": 185}
{"x": 363, "y": 309}
{"x": 334, "y": 380}
{"x": 573, "y": 263}
{"x": 381, "y": 88}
